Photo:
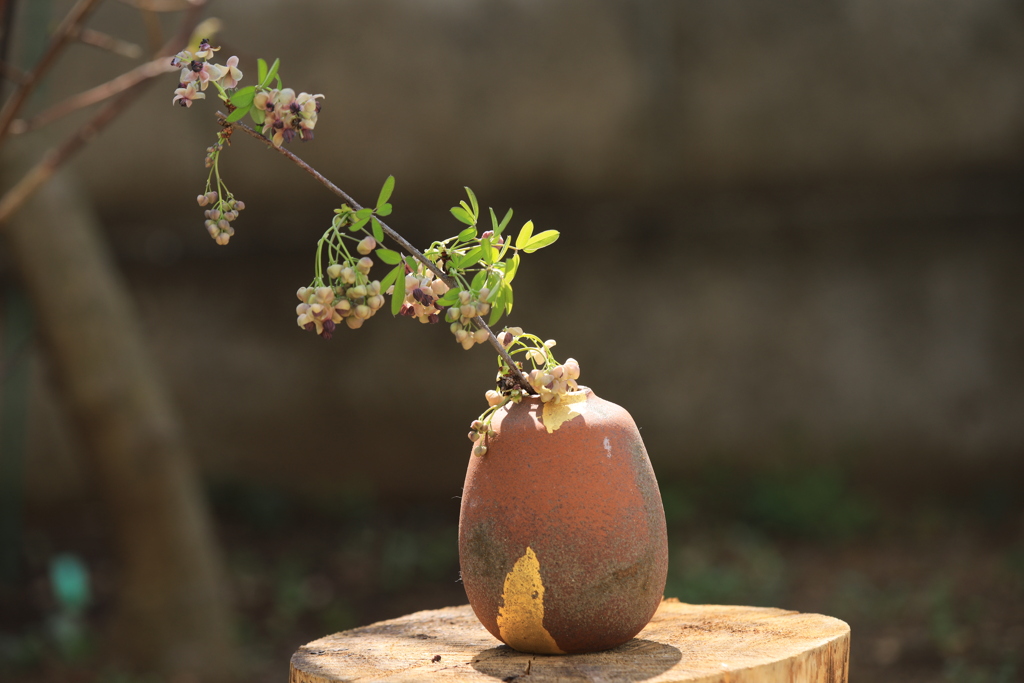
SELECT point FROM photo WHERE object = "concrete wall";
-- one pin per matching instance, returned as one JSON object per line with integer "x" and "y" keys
{"x": 788, "y": 231}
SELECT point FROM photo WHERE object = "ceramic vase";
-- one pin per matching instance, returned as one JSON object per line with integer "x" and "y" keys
{"x": 562, "y": 538}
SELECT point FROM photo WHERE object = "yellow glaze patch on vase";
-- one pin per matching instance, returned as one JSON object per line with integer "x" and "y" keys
{"x": 559, "y": 410}
{"x": 521, "y": 617}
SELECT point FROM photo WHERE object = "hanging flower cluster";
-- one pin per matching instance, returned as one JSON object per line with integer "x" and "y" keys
{"x": 287, "y": 114}
{"x": 197, "y": 72}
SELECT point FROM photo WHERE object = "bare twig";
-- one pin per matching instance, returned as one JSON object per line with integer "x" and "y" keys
{"x": 152, "y": 22}
{"x": 405, "y": 244}
{"x": 14, "y": 198}
{"x": 109, "y": 43}
{"x": 12, "y": 73}
{"x": 92, "y": 96}
{"x": 160, "y": 5}
{"x": 64, "y": 33}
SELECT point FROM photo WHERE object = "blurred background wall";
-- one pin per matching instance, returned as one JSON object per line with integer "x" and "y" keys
{"x": 788, "y": 232}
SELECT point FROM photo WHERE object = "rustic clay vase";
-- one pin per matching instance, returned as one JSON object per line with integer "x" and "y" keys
{"x": 562, "y": 535}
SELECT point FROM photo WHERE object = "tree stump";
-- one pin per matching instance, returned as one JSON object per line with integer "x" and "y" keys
{"x": 706, "y": 643}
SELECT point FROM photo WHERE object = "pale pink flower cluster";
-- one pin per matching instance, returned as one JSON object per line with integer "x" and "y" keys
{"x": 422, "y": 290}
{"x": 479, "y": 431}
{"x": 197, "y": 73}
{"x": 553, "y": 382}
{"x": 461, "y": 317}
{"x": 287, "y": 114}
{"x": 353, "y": 298}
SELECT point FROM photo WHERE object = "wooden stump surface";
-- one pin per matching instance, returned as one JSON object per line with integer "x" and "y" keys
{"x": 707, "y": 643}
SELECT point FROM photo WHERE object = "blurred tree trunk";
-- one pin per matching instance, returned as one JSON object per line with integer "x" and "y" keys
{"x": 174, "y": 611}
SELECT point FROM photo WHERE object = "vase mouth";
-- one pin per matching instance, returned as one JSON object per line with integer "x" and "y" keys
{"x": 582, "y": 393}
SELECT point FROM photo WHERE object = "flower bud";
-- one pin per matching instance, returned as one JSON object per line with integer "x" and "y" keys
{"x": 480, "y": 450}
{"x": 375, "y": 301}
{"x": 572, "y": 369}
{"x": 461, "y": 336}
{"x": 363, "y": 311}
{"x": 438, "y": 287}
{"x": 464, "y": 297}
{"x": 477, "y": 425}
{"x": 484, "y": 293}
{"x": 373, "y": 287}
{"x": 353, "y": 322}
{"x": 239, "y": 205}
{"x": 303, "y": 294}
{"x": 480, "y": 336}
{"x": 515, "y": 331}
{"x": 348, "y": 276}
{"x": 212, "y": 228}
{"x": 468, "y": 311}
{"x": 344, "y": 306}
{"x": 366, "y": 245}
{"x": 483, "y": 308}
{"x": 494, "y": 398}
{"x": 455, "y": 327}
{"x": 202, "y": 200}
{"x": 451, "y": 315}
{"x": 357, "y": 292}
{"x": 214, "y": 214}
{"x": 211, "y": 197}
{"x": 334, "y": 271}
{"x": 474, "y": 436}
{"x": 223, "y": 225}
{"x": 324, "y": 294}
{"x": 364, "y": 265}
{"x": 550, "y": 343}
{"x": 468, "y": 343}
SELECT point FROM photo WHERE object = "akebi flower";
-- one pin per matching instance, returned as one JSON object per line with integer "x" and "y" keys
{"x": 205, "y": 50}
{"x": 203, "y": 72}
{"x": 231, "y": 74}
{"x": 186, "y": 93}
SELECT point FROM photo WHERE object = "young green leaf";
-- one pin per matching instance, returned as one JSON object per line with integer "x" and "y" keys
{"x": 385, "y": 192}
{"x": 378, "y": 231}
{"x": 511, "y": 266}
{"x": 258, "y": 116}
{"x": 364, "y": 213}
{"x": 384, "y": 210}
{"x": 494, "y": 222}
{"x": 239, "y": 113}
{"x": 472, "y": 200}
{"x": 487, "y": 250}
{"x": 244, "y": 96}
{"x": 261, "y": 65}
{"x": 398, "y": 296}
{"x": 467, "y": 234}
{"x": 524, "y": 235}
{"x": 478, "y": 280}
{"x": 469, "y": 259}
{"x": 508, "y": 297}
{"x": 497, "y": 308}
{"x": 462, "y": 215}
{"x": 392, "y": 277}
{"x": 449, "y": 297}
{"x": 388, "y": 256}
{"x": 358, "y": 225}
{"x": 265, "y": 81}
{"x": 542, "y": 240}
{"x": 504, "y": 222}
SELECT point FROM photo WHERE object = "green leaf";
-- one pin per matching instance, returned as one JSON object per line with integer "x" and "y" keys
{"x": 411, "y": 262}
{"x": 358, "y": 225}
{"x": 398, "y": 296}
{"x": 258, "y": 116}
{"x": 388, "y": 256}
{"x": 265, "y": 81}
{"x": 238, "y": 114}
{"x": 524, "y": 235}
{"x": 504, "y": 249}
{"x": 467, "y": 234}
{"x": 462, "y": 215}
{"x": 511, "y": 267}
{"x": 364, "y": 213}
{"x": 469, "y": 259}
{"x": 472, "y": 200}
{"x": 478, "y": 280}
{"x": 385, "y": 192}
{"x": 487, "y": 250}
{"x": 497, "y": 308}
{"x": 261, "y": 65}
{"x": 392, "y": 277}
{"x": 243, "y": 97}
{"x": 449, "y": 297}
{"x": 378, "y": 231}
{"x": 384, "y": 210}
{"x": 494, "y": 222}
{"x": 542, "y": 240}
{"x": 504, "y": 222}
{"x": 507, "y": 289}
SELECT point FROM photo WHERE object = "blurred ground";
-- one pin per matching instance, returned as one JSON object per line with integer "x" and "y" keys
{"x": 932, "y": 585}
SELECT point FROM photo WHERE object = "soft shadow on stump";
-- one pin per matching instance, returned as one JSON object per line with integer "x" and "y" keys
{"x": 637, "y": 660}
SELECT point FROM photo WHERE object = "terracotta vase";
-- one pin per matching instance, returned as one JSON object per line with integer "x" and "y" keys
{"x": 562, "y": 537}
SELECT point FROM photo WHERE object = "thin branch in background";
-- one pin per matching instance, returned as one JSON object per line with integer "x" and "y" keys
{"x": 68, "y": 27}
{"x": 12, "y": 73}
{"x": 95, "y": 95}
{"x": 109, "y": 43}
{"x": 14, "y": 198}
{"x": 153, "y": 31}
{"x": 405, "y": 244}
{"x": 159, "y": 5}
